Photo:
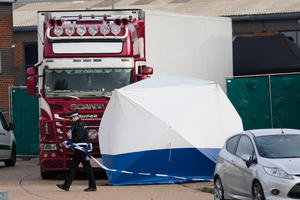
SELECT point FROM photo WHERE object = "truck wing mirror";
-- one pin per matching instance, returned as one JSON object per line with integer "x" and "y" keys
{"x": 30, "y": 71}
{"x": 145, "y": 70}
{"x": 31, "y": 81}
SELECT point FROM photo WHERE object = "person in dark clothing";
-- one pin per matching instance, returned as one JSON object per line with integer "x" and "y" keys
{"x": 79, "y": 135}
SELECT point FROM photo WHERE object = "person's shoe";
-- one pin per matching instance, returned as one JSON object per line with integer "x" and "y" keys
{"x": 90, "y": 189}
{"x": 63, "y": 187}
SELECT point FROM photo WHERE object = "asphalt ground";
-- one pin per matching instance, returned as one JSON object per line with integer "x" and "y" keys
{"x": 23, "y": 182}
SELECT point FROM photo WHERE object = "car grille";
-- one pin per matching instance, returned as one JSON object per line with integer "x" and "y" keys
{"x": 294, "y": 193}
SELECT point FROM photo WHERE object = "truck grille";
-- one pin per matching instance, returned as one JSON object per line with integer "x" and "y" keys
{"x": 52, "y": 164}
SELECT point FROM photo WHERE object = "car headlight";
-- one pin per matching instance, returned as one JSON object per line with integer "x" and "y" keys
{"x": 93, "y": 134}
{"x": 273, "y": 171}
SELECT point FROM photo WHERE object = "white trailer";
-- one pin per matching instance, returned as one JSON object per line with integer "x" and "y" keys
{"x": 189, "y": 45}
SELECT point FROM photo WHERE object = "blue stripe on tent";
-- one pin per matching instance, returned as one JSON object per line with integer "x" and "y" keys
{"x": 190, "y": 163}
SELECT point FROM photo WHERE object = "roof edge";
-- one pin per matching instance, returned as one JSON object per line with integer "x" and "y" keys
{"x": 24, "y": 28}
{"x": 264, "y": 17}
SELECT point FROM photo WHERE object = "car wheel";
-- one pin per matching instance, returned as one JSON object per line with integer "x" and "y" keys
{"x": 218, "y": 189}
{"x": 257, "y": 191}
{"x": 12, "y": 161}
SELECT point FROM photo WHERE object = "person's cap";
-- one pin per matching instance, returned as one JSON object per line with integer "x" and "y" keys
{"x": 72, "y": 114}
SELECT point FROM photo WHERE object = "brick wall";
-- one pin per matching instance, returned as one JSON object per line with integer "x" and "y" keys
{"x": 6, "y": 25}
{"x": 7, "y": 74}
{"x": 19, "y": 55}
{"x": 7, "y": 64}
{"x": 5, "y": 82}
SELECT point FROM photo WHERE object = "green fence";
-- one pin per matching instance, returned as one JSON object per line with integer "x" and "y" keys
{"x": 271, "y": 101}
{"x": 25, "y": 116}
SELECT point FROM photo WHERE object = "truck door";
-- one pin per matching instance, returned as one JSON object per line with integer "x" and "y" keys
{"x": 4, "y": 139}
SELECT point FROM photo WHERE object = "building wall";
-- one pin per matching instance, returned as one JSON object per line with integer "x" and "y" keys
{"x": 6, "y": 27}
{"x": 248, "y": 27}
{"x": 21, "y": 39}
{"x": 289, "y": 27}
{"x": 7, "y": 69}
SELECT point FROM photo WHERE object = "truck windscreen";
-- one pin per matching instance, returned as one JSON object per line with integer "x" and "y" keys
{"x": 85, "y": 82}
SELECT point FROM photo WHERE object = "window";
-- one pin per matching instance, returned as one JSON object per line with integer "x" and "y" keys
{"x": 3, "y": 123}
{"x": 31, "y": 54}
{"x": 278, "y": 146}
{"x": 244, "y": 147}
{"x": 94, "y": 82}
{"x": 232, "y": 144}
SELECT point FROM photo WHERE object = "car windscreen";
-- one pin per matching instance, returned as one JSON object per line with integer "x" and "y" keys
{"x": 278, "y": 146}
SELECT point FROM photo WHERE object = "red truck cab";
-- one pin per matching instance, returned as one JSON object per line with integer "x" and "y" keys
{"x": 83, "y": 57}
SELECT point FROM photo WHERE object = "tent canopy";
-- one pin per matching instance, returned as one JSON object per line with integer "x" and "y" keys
{"x": 265, "y": 55}
{"x": 166, "y": 125}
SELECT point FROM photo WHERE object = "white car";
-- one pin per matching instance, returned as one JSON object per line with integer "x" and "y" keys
{"x": 262, "y": 164}
{"x": 7, "y": 142}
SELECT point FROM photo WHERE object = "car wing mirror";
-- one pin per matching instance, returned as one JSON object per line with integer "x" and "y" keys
{"x": 247, "y": 159}
{"x": 11, "y": 126}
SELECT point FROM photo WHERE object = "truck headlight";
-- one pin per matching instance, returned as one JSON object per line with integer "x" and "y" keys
{"x": 273, "y": 171}
{"x": 104, "y": 29}
{"x": 93, "y": 134}
{"x": 81, "y": 30}
{"x": 48, "y": 147}
{"x": 69, "y": 31}
{"x": 58, "y": 130}
{"x": 115, "y": 29}
{"x": 69, "y": 134}
{"x": 58, "y": 31}
{"x": 93, "y": 30}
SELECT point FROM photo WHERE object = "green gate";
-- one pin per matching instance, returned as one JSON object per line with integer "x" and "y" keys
{"x": 271, "y": 101}
{"x": 25, "y": 116}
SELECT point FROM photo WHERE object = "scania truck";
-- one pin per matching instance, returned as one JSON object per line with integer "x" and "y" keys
{"x": 83, "y": 57}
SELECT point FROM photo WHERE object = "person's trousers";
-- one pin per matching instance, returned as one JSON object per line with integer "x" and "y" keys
{"x": 80, "y": 157}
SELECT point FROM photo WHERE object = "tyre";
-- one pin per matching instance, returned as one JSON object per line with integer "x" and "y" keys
{"x": 257, "y": 191}
{"x": 47, "y": 175}
{"x": 12, "y": 161}
{"x": 218, "y": 189}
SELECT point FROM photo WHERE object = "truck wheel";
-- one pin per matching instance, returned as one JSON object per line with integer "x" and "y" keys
{"x": 12, "y": 161}
{"x": 47, "y": 175}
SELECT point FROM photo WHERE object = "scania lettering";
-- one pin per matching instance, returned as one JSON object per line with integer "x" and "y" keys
{"x": 83, "y": 57}
{"x": 87, "y": 106}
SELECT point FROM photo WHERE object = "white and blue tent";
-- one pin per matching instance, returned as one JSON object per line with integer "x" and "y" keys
{"x": 165, "y": 129}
